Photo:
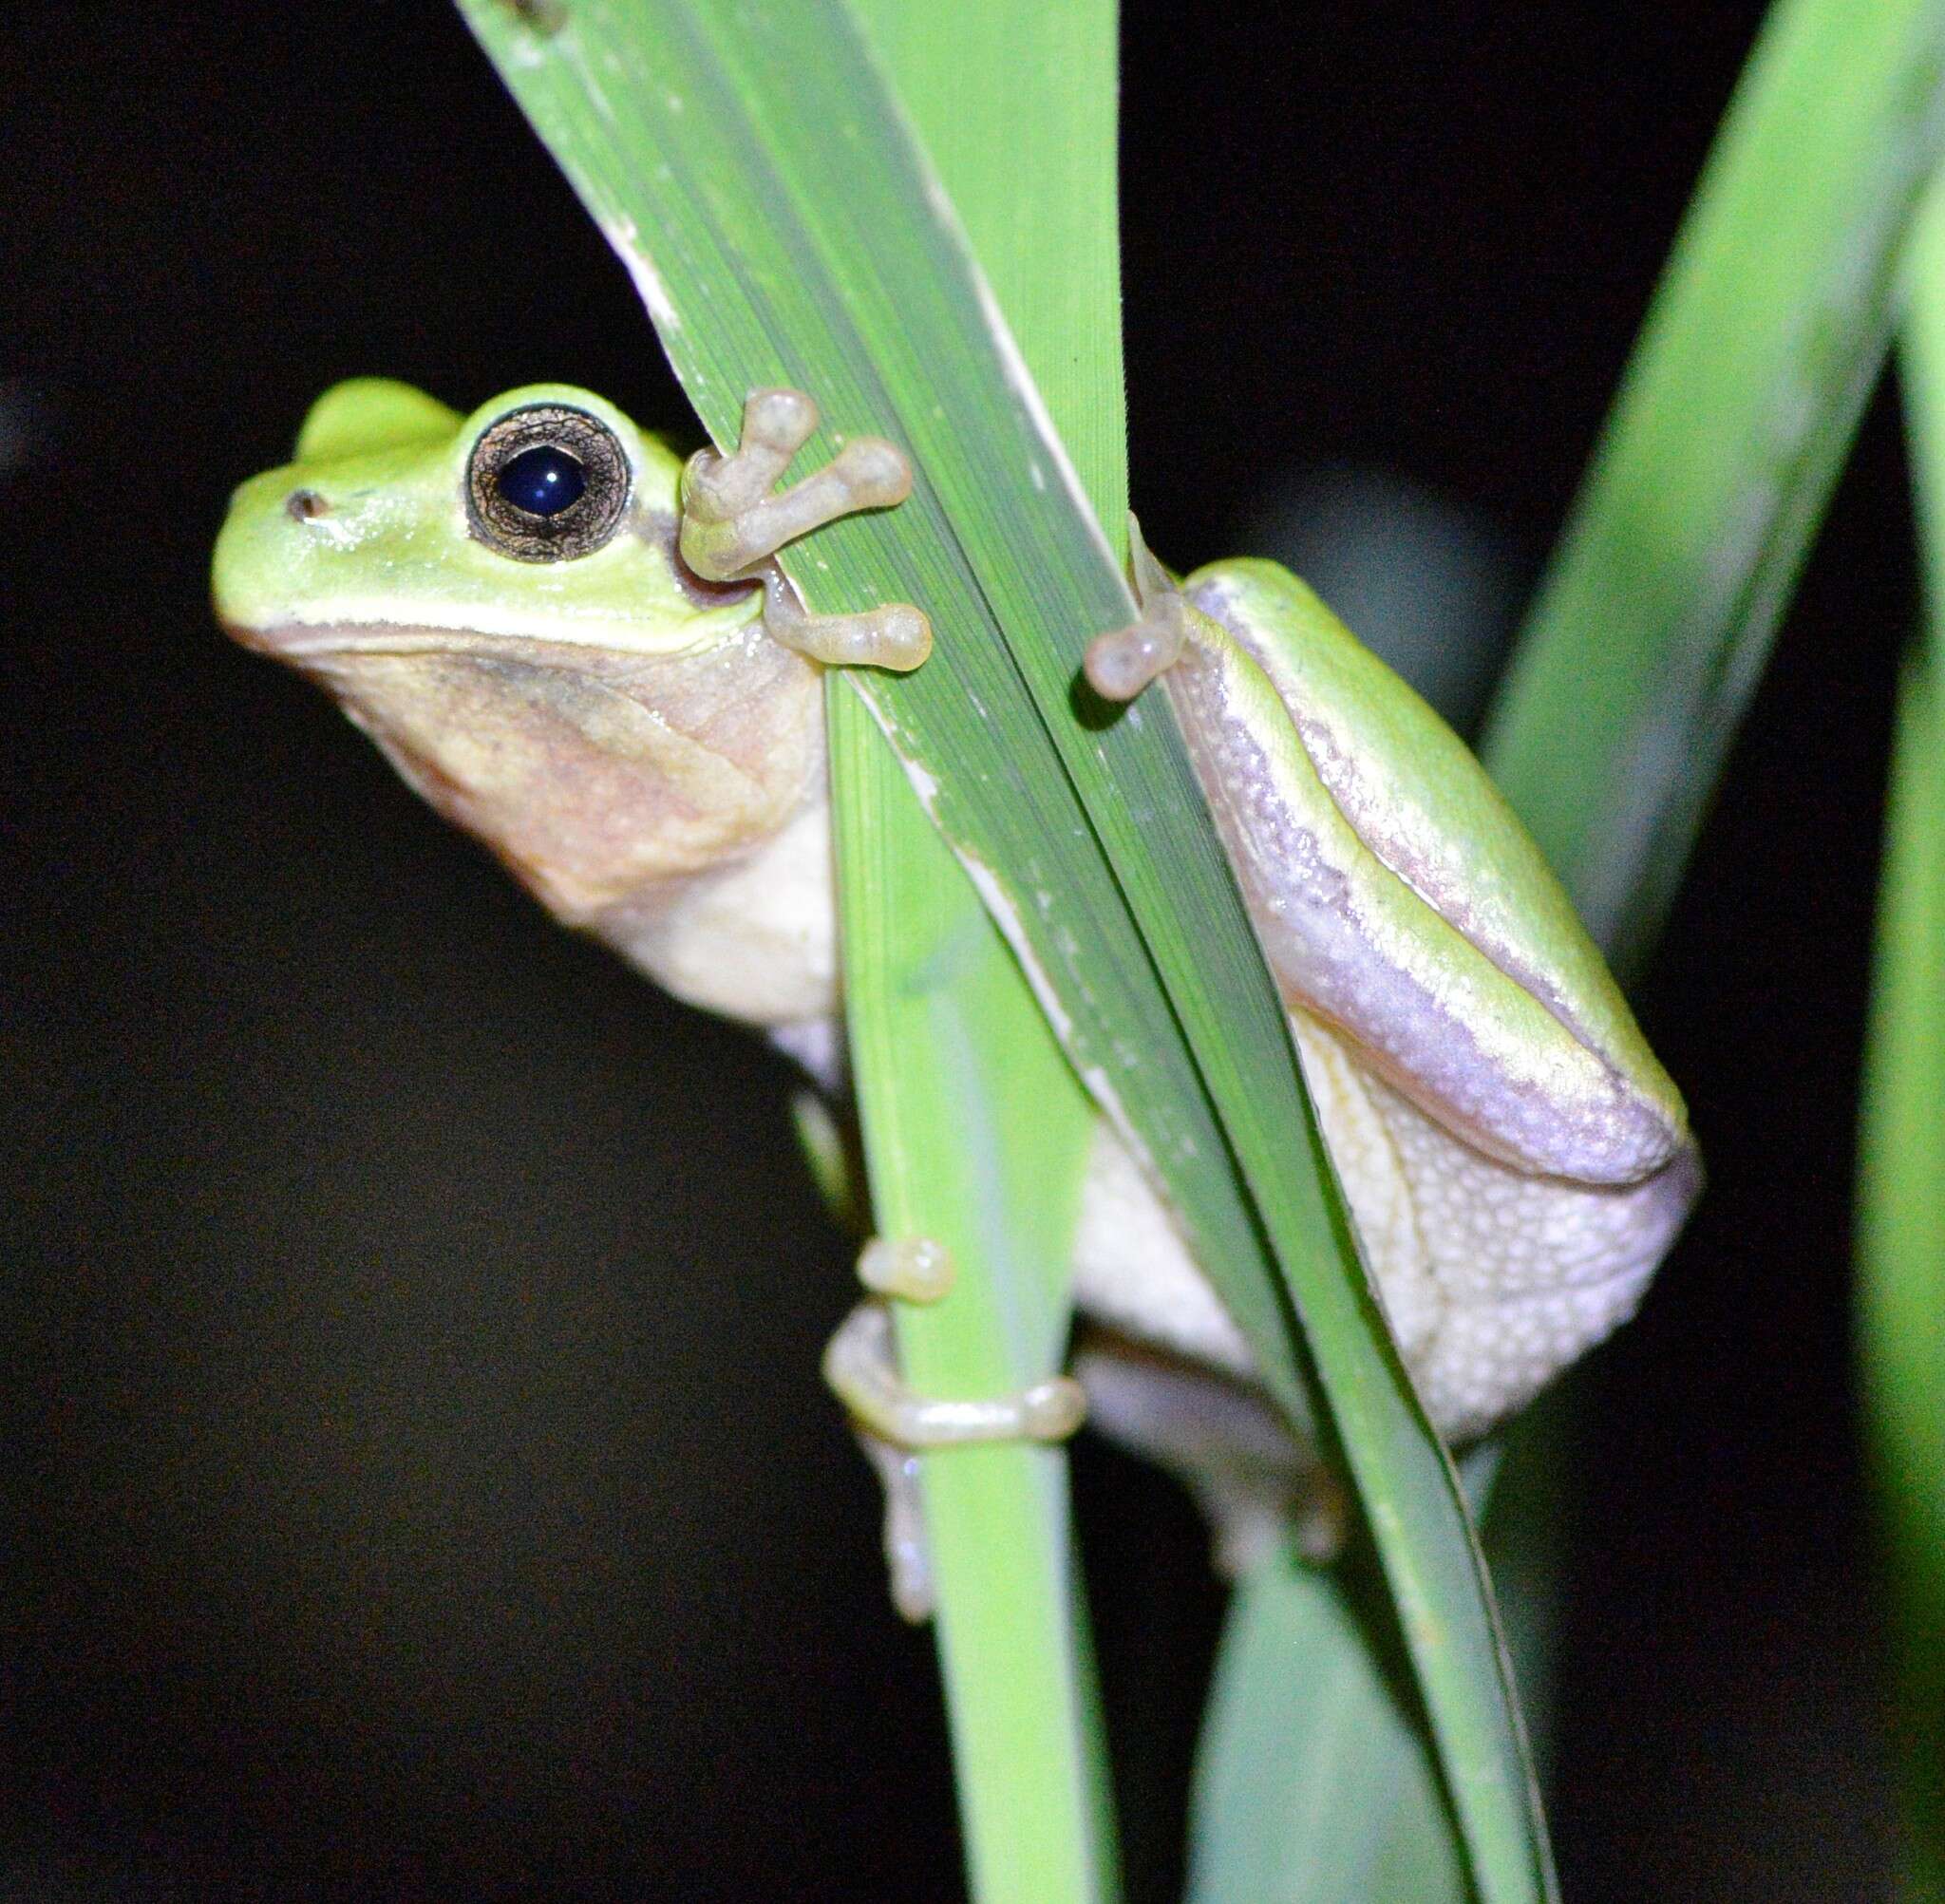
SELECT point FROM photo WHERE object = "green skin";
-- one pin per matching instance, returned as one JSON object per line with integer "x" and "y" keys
{"x": 645, "y": 750}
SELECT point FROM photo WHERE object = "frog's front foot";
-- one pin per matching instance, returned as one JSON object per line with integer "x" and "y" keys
{"x": 895, "y": 1424}
{"x": 731, "y": 526}
{"x": 1125, "y": 660}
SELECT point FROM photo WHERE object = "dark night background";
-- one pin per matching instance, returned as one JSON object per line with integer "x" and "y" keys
{"x": 420, "y": 1485}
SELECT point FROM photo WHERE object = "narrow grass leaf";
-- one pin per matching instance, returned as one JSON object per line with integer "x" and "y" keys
{"x": 1901, "y": 1261}
{"x": 1312, "y": 1755}
{"x": 949, "y": 1051}
{"x": 754, "y": 173}
{"x": 1314, "y": 1781}
{"x": 1738, "y": 408}
{"x": 976, "y": 1129}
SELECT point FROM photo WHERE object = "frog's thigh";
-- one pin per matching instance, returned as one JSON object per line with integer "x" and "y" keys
{"x": 1133, "y": 1270}
{"x": 1528, "y": 1273}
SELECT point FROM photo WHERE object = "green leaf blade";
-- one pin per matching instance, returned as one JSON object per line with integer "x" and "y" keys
{"x": 1902, "y": 1137}
{"x": 944, "y": 1040}
{"x": 1766, "y": 334}
{"x": 1149, "y": 967}
{"x": 933, "y": 988}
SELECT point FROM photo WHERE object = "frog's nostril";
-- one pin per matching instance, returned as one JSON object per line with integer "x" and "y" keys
{"x": 305, "y": 505}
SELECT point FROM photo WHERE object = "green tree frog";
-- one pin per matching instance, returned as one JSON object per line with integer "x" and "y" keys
{"x": 585, "y": 655}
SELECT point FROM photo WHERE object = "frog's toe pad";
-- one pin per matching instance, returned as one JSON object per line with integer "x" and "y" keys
{"x": 1125, "y": 660}
{"x": 914, "y": 1268}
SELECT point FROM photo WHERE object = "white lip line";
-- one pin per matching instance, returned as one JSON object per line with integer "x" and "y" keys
{"x": 286, "y": 639}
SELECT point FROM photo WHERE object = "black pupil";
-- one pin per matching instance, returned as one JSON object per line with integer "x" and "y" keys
{"x": 542, "y": 480}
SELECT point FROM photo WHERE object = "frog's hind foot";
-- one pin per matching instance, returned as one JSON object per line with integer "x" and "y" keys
{"x": 861, "y": 1368}
{"x": 732, "y": 525}
{"x": 893, "y": 1425}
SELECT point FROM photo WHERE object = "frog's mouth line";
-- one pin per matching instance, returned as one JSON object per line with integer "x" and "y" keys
{"x": 297, "y": 642}
{"x": 301, "y": 641}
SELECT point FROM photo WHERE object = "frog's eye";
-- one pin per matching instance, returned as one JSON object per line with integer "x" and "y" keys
{"x": 546, "y": 483}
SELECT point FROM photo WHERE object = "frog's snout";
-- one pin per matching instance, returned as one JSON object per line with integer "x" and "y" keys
{"x": 266, "y": 523}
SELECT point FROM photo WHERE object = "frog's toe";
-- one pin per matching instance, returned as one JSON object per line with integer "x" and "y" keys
{"x": 1125, "y": 660}
{"x": 908, "y": 1552}
{"x": 718, "y": 490}
{"x": 895, "y": 635}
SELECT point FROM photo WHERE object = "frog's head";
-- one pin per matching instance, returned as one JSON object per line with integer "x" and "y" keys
{"x": 546, "y": 516}
{"x": 500, "y": 602}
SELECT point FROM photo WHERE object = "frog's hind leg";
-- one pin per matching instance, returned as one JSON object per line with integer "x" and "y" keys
{"x": 1261, "y": 1486}
{"x": 732, "y": 525}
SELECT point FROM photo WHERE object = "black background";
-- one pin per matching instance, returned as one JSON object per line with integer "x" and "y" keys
{"x": 420, "y": 1486}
